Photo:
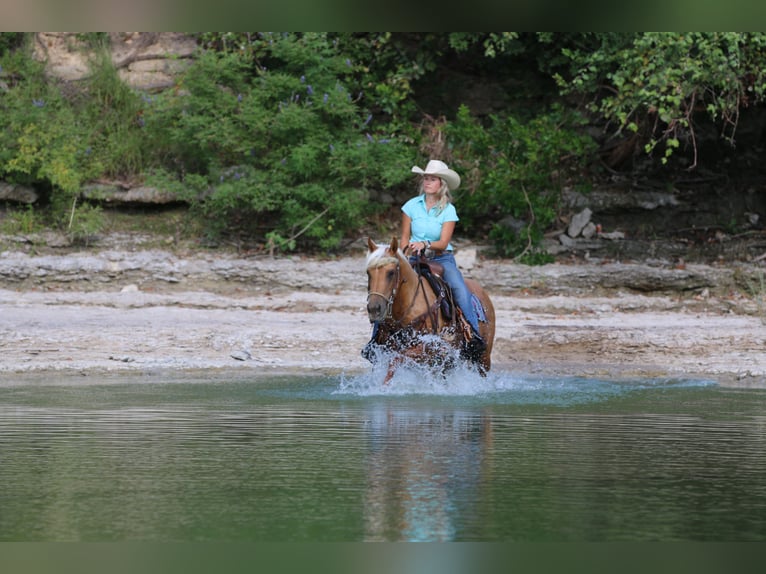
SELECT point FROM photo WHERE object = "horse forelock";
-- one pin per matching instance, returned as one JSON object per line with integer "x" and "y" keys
{"x": 381, "y": 257}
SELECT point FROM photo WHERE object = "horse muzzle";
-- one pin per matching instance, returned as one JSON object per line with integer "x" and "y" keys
{"x": 377, "y": 308}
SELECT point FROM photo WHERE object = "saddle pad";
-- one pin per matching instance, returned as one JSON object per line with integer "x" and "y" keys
{"x": 479, "y": 308}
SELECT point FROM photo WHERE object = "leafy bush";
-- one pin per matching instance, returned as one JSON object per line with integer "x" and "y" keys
{"x": 24, "y": 220}
{"x": 10, "y": 41}
{"x": 55, "y": 143}
{"x": 660, "y": 84}
{"x": 284, "y": 139}
{"x": 117, "y": 145}
{"x": 513, "y": 172}
{"x": 40, "y": 140}
{"x": 271, "y": 144}
{"x": 36, "y": 143}
{"x": 287, "y": 139}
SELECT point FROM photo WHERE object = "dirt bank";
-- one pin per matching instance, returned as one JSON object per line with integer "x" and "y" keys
{"x": 125, "y": 310}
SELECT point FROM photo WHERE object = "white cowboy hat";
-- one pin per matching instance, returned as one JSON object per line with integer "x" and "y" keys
{"x": 439, "y": 168}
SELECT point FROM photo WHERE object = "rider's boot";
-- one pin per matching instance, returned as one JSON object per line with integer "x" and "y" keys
{"x": 474, "y": 348}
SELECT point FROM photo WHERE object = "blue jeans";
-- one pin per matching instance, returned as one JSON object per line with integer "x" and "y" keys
{"x": 460, "y": 292}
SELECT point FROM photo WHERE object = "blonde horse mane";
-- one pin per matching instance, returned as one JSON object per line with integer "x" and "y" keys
{"x": 380, "y": 257}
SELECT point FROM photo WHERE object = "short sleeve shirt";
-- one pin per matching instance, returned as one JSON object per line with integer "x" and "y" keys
{"x": 427, "y": 225}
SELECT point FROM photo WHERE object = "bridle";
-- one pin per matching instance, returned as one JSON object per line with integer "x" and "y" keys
{"x": 389, "y": 300}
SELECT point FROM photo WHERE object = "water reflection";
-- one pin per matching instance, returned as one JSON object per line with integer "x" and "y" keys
{"x": 343, "y": 460}
{"x": 424, "y": 472}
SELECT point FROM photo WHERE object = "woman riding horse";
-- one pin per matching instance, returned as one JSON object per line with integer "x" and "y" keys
{"x": 428, "y": 222}
{"x": 406, "y": 309}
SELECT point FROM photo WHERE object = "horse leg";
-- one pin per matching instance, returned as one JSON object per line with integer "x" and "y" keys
{"x": 389, "y": 376}
{"x": 393, "y": 364}
{"x": 414, "y": 353}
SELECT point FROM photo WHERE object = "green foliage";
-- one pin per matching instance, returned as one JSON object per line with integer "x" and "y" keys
{"x": 80, "y": 221}
{"x": 64, "y": 141}
{"x": 23, "y": 220}
{"x": 278, "y": 138}
{"x": 514, "y": 170}
{"x": 10, "y": 41}
{"x": 282, "y": 139}
{"x": 493, "y": 44}
{"x": 385, "y": 66}
{"x": 658, "y": 84}
{"x": 40, "y": 138}
{"x": 94, "y": 40}
{"x": 285, "y": 150}
{"x": 116, "y": 144}
{"x": 45, "y": 142}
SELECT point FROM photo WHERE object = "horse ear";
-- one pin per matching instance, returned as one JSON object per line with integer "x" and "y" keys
{"x": 371, "y": 245}
{"x": 394, "y": 245}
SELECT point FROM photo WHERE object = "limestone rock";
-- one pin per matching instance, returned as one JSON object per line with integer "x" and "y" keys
{"x": 606, "y": 199}
{"x": 241, "y": 355}
{"x": 118, "y": 194}
{"x": 589, "y": 230}
{"x": 516, "y": 225}
{"x": 578, "y": 223}
{"x": 466, "y": 258}
{"x": 144, "y": 60}
{"x": 17, "y": 193}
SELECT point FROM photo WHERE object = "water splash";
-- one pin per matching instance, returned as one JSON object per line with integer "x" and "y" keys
{"x": 413, "y": 378}
{"x": 500, "y": 387}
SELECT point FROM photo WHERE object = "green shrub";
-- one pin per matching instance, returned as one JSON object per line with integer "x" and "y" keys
{"x": 515, "y": 169}
{"x": 117, "y": 145}
{"x": 38, "y": 142}
{"x": 46, "y": 142}
{"x": 283, "y": 153}
{"x": 22, "y": 220}
{"x": 10, "y": 41}
{"x": 286, "y": 139}
{"x": 664, "y": 85}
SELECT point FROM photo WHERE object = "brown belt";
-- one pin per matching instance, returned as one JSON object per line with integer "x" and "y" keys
{"x": 431, "y": 253}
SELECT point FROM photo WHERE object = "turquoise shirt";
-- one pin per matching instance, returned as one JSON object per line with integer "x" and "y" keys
{"x": 427, "y": 225}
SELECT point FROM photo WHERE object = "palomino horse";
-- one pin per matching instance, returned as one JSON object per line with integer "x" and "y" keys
{"x": 406, "y": 308}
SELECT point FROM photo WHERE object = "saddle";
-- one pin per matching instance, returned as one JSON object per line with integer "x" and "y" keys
{"x": 433, "y": 272}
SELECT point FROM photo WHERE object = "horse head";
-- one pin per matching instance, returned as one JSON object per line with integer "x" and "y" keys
{"x": 383, "y": 278}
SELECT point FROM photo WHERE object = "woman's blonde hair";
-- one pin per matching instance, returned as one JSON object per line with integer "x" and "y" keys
{"x": 445, "y": 197}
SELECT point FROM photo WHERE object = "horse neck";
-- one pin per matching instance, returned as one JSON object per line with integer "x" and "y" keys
{"x": 410, "y": 302}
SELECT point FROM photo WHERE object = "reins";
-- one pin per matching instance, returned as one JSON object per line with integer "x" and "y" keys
{"x": 431, "y": 311}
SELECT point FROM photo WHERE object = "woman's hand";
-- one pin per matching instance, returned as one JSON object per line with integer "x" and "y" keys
{"x": 418, "y": 246}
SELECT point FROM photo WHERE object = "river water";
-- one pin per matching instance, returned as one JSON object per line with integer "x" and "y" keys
{"x": 343, "y": 458}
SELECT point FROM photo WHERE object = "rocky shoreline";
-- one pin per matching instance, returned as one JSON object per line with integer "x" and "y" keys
{"x": 127, "y": 310}
{"x": 96, "y": 269}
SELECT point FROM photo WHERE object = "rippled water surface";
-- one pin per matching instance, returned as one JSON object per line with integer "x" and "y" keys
{"x": 346, "y": 459}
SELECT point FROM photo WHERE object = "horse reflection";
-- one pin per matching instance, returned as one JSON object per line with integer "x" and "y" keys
{"x": 439, "y": 459}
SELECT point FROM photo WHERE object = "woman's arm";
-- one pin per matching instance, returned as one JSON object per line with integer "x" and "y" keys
{"x": 406, "y": 231}
{"x": 448, "y": 228}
